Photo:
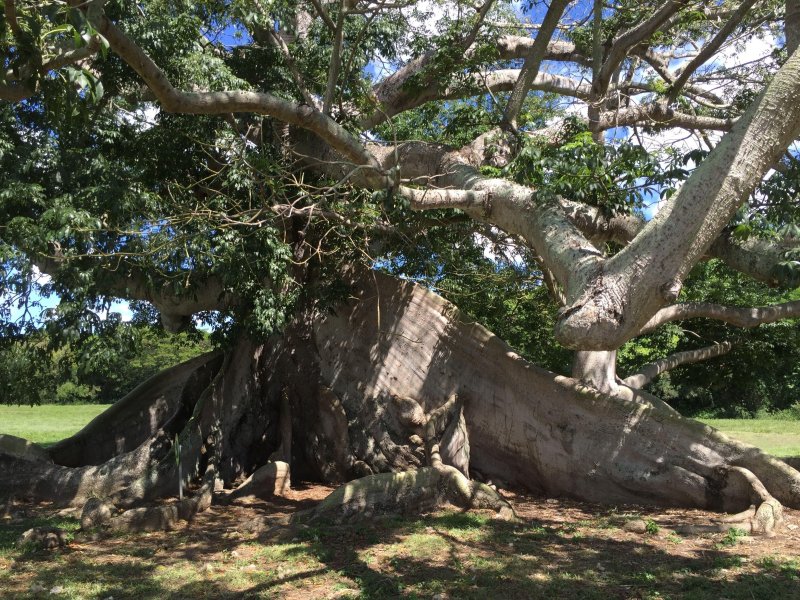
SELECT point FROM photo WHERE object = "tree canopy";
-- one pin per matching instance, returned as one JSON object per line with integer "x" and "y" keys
{"x": 227, "y": 160}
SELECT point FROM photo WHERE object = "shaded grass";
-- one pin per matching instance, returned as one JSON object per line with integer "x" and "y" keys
{"x": 774, "y": 436}
{"x": 47, "y": 423}
{"x": 451, "y": 554}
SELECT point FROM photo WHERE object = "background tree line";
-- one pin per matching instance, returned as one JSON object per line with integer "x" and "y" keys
{"x": 760, "y": 376}
{"x": 99, "y": 367}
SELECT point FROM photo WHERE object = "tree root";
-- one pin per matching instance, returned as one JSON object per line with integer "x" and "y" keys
{"x": 406, "y": 493}
{"x": 152, "y": 406}
{"x": 45, "y": 538}
{"x": 122, "y": 479}
{"x": 324, "y": 396}
{"x": 763, "y": 517}
{"x": 18, "y": 447}
{"x": 273, "y": 479}
{"x": 413, "y": 492}
{"x": 150, "y": 518}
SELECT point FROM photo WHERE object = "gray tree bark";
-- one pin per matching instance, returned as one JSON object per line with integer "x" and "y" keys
{"x": 526, "y": 426}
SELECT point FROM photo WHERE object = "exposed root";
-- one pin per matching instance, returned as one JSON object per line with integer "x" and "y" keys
{"x": 406, "y": 493}
{"x": 45, "y": 538}
{"x": 764, "y": 517}
{"x": 412, "y": 492}
{"x": 149, "y": 518}
{"x": 123, "y": 479}
{"x": 333, "y": 396}
{"x": 159, "y": 403}
{"x": 18, "y": 447}
{"x": 273, "y": 479}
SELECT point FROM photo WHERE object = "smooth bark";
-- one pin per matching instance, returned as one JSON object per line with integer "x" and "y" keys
{"x": 526, "y": 427}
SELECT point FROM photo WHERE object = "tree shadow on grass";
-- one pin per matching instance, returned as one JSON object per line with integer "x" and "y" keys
{"x": 469, "y": 556}
{"x": 462, "y": 555}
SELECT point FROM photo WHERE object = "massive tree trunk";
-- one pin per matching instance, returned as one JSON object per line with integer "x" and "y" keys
{"x": 323, "y": 397}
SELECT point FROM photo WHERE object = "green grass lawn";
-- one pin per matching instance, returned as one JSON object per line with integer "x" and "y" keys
{"x": 563, "y": 550}
{"x": 47, "y": 423}
{"x": 777, "y": 437}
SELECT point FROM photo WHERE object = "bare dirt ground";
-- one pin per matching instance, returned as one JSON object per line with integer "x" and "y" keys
{"x": 559, "y": 549}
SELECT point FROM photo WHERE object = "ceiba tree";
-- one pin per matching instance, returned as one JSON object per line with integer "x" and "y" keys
{"x": 251, "y": 162}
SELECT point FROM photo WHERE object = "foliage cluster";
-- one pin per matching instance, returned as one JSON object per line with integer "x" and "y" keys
{"x": 619, "y": 178}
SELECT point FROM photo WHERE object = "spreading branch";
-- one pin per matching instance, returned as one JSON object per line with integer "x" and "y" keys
{"x": 625, "y": 41}
{"x": 174, "y": 100}
{"x": 757, "y": 258}
{"x": 132, "y": 284}
{"x": 533, "y": 61}
{"x": 14, "y": 91}
{"x": 652, "y": 370}
{"x": 648, "y": 273}
{"x": 324, "y": 15}
{"x": 659, "y": 113}
{"x": 336, "y": 59}
{"x": 297, "y": 77}
{"x": 710, "y": 48}
{"x": 745, "y": 317}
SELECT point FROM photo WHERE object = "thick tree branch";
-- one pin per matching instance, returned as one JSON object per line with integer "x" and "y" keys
{"x": 278, "y": 42}
{"x": 16, "y": 92}
{"x": 514, "y": 208}
{"x": 324, "y": 15}
{"x": 733, "y": 315}
{"x": 600, "y": 228}
{"x": 652, "y": 370}
{"x": 513, "y": 47}
{"x": 757, "y": 258}
{"x": 10, "y": 11}
{"x": 659, "y": 113}
{"x": 432, "y": 199}
{"x": 792, "y": 25}
{"x": 633, "y": 37}
{"x": 648, "y": 272}
{"x": 506, "y": 79}
{"x": 754, "y": 257}
{"x": 710, "y": 48}
{"x": 336, "y": 60}
{"x": 660, "y": 64}
{"x": 131, "y": 284}
{"x": 422, "y": 163}
{"x": 394, "y": 96}
{"x": 533, "y": 61}
{"x": 173, "y": 100}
